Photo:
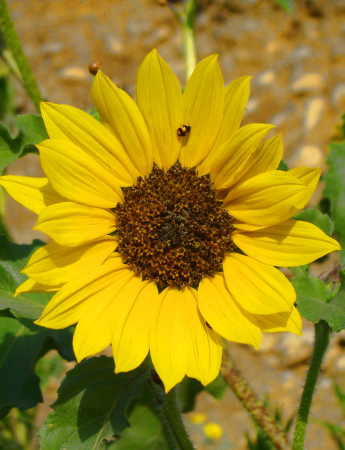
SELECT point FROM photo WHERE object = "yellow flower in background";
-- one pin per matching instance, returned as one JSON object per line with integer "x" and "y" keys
{"x": 213, "y": 430}
{"x": 198, "y": 418}
{"x": 147, "y": 211}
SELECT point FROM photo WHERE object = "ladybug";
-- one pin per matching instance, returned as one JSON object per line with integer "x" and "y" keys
{"x": 184, "y": 130}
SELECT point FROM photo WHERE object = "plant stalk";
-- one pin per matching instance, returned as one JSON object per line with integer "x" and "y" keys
{"x": 166, "y": 406}
{"x": 186, "y": 16}
{"x": 253, "y": 405}
{"x": 322, "y": 335}
{"x": 15, "y": 56}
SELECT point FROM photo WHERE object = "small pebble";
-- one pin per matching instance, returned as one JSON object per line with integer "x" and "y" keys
{"x": 114, "y": 44}
{"x": 269, "y": 340}
{"x": 279, "y": 118}
{"x": 252, "y": 105}
{"x": 51, "y": 48}
{"x": 288, "y": 379}
{"x": 301, "y": 52}
{"x": 159, "y": 35}
{"x": 338, "y": 48}
{"x": 294, "y": 349}
{"x": 75, "y": 73}
{"x": 324, "y": 383}
{"x": 308, "y": 337}
{"x": 308, "y": 84}
{"x": 313, "y": 113}
{"x": 340, "y": 363}
{"x": 309, "y": 156}
{"x": 265, "y": 78}
{"x": 338, "y": 92}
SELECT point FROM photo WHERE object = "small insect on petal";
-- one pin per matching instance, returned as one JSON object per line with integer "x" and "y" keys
{"x": 184, "y": 130}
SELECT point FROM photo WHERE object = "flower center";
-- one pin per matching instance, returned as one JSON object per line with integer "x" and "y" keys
{"x": 172, "y": 229}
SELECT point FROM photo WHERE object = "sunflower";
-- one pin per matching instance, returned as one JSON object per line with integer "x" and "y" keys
{"x": 166, "y": 221}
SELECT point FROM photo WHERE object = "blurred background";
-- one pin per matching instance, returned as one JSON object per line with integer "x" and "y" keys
{"x": 297, "y": 64}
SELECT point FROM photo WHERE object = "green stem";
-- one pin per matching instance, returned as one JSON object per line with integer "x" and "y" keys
{"x": 322, "y": 334}
{"x": 167, "y": 408}
{"x": 253, "y": 405}
{"x": 15, "y": 56}
{"x": 186, "y": 17}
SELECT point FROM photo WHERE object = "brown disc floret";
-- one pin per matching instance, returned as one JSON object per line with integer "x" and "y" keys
{"x": 172, "y": 229}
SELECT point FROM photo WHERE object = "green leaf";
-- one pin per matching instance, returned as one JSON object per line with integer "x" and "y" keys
{"x": 187, "y": 391}
{"x": 218, "y": 387}
{"x": 21, "y": 341}
{"x": 337, "y": 433}
{"x": 91, "y": 406}
{"x": 323, "y": 221}
{"x": 312, "y": 301}
{"x": 32, "y": 128}
{"x": 335, "y": 191}
{"x": 340, "y": 393}
{"x": 146, "y": 431}
{"x": 4, "y": 411}
{"x": 10, "y": 147}
{"x": 283, "y": 166}
{"x": 13, "y": 258}
{"x": 300, "y": 270}
{"x": 286, "y": 4}
{"x": 19, "y": 350}
{"x": 94, "y": 113}
{"x": 31, "y": 132}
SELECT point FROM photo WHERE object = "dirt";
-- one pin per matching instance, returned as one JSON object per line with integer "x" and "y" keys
{"x": 297, "y": 62}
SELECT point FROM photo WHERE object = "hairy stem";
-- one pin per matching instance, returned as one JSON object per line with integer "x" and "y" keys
{"x": 167, "y": 408}
{"x": 322, "y": 334}
{"x": 15, "y": 57}
{"x": 253, "y": 405}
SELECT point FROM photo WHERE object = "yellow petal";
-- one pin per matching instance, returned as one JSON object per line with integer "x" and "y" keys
{"x": 159, "y": 99}
{"x": 132, "y": 318}
{"x": 32, "y": 286}
{"x": 54, "y": 264}
{"x": 94, "y": 331}
{"x": 245, "y": 226}
{"x": 273, "y": 323}
{"x": 232, "y": 159}
{"x": 170, "y": 339}
{"x": 258, "y": 288}
{"x": 121, "y": 116}
{"x": 203, "y": 109}
{"x": 71, "y": 124}
{"x": 287, "y": 244}
{"x": 70, "y": 224}
{"x": 81, "y": 295}
{"x": 310, "y": 177}
{"x": 224, "y": 314}
{"x": 264, "y": 159}
{"x": 34, "y": 193}
{"x": 236, "y": 98}
{"x": 206, "y": 355}
{"x": 77, "y": 176}
{"x": 266, "y": 199}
